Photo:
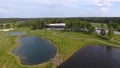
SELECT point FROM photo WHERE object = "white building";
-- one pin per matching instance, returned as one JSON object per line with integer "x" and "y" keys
{"x": 55, "y": 26}
{"x": 98, "y": 30}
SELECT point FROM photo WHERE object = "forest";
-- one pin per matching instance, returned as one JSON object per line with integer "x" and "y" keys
{"x": 39, "y": 23}
{"x": 59, "y": 20}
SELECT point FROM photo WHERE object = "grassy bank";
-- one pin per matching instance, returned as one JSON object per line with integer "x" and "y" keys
{"x": 66, "y": 43}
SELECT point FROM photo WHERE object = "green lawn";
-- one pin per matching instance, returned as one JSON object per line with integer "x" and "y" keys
{"x": 98, "y": 25}
{"x": 117, "y": 37}
{"x": 65, "y": 45}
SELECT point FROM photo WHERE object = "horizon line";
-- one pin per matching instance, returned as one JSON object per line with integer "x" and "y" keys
{"x": 66, "y": 17}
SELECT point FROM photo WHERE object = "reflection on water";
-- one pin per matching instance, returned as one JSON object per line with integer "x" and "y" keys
{"x": 94, "y": 57}
{"x": 33, "y": 50}
{"x": 18, "y": 33}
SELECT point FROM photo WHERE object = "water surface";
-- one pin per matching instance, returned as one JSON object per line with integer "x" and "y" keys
{"x": 17, "y": 33}
{"x": 94, "y": 57}
{"x": 33, "y": 50}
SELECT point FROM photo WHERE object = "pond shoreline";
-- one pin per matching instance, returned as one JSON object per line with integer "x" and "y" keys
{"x": 51, "y": 41}
{"x": 83, "y": 57}
{"x": 19, "y": 57}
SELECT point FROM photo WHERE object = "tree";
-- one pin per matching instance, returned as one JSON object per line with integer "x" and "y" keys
{"x": 75, "y": 26}
{"x": 118, "y": 29}
{"x": 42, "y": 25}
{"x": 68, "y": 25}
{"x": 114, "y": 25}
{"x": 91, "y": 29}
{"x": 1, "y": 26}
{"x": 103, "y": 32}
{"x": 8, "y": 25}
{"x": 110, "y": 33}
{"x": 102, "y": 25}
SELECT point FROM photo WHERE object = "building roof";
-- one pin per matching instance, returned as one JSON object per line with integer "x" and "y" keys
{"x": 56, "y": 24}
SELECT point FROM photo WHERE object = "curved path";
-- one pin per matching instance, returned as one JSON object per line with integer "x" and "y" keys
{"x": 55, "y": 34}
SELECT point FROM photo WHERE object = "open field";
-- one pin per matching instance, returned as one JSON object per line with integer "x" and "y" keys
{"x": 117, "y": 37}
{"x": 98, "y": 25}
{"x": 66, "y": 43}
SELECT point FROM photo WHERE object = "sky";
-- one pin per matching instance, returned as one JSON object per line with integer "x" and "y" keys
{"x": 59, "y": 8}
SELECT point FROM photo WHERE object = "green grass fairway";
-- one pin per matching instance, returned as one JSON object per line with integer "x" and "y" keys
{"x": 98, "y": 25}
{"x": 66, "y": 43}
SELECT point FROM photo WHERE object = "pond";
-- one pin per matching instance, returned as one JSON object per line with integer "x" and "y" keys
{"x": 94, "y": 57}
{"x": 34, "y": 50}
{"x": 17, "y": 33}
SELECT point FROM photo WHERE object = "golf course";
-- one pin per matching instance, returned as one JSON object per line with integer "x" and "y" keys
{"x": 67, "y": 43}
{"x": 59, "y": 34}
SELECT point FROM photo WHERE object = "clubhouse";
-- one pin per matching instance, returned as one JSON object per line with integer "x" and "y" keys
{"x": 55, "y": 26}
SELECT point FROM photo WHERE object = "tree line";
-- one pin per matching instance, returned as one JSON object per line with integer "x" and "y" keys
{"x": 79, "y": 26}
{"x": 72, "y": 24}
{"x": 61, "y": 20}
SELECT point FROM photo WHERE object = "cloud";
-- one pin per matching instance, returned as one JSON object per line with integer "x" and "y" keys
{"x": 105, "y": 5}
{"x": 57, "y": 7}
{"x": 1, "y": 10}
{"x": 65, "y": 3}
{"x": 103, "y": 10}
